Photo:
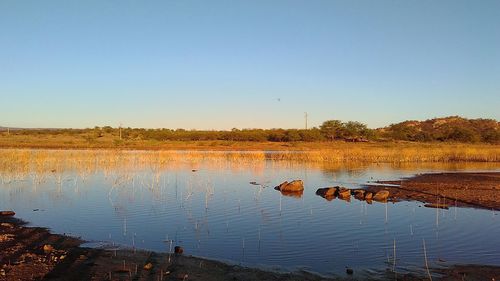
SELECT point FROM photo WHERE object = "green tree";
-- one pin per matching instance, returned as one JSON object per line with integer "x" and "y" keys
{"x": 292, "y": 135}
{"x": 107, "y": 129}
{"x": 332, "y": 129}
{"x": 97, "y": 132}
{"x": 354, "y": 129}
{"x": 313, "y": 134}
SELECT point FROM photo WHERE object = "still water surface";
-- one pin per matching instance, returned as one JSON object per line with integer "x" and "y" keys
{"x": 215, "y": 212}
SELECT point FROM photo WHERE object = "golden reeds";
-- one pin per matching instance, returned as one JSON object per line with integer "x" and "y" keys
{"x": 19, "y": 163}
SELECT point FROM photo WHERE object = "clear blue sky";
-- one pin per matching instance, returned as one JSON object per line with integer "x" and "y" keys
{"x": 246, "y": 64}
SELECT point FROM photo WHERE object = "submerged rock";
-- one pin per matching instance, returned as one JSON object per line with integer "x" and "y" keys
{"x": 437, "y": 205}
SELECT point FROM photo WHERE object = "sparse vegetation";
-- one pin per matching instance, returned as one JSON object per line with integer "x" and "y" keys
{"x": 449, "y": 129}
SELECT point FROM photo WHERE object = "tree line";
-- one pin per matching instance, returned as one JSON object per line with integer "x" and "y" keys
{"x": 448, "y": 129}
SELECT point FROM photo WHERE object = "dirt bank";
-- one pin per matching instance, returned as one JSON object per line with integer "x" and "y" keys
{"x": 479, "y": 190}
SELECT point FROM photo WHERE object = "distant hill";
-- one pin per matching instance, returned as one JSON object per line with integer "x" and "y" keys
{"x": 23, "y": 129}
{"x": 12, "y": 129}
{"x": 453, "y": 128}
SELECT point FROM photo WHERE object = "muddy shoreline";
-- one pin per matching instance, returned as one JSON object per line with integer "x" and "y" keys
{"x": 444, "y": 190}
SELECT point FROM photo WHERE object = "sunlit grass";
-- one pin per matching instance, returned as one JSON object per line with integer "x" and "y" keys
{"x": 21, "y": 162}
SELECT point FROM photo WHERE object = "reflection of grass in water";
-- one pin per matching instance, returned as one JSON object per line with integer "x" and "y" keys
{"x": 20, "y": 163}
{"x": 122, "y": 167}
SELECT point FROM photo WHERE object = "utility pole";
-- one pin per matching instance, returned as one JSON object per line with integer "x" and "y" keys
{"x": 8, "y": 131}
{"x": 120, "y": 131}
{"x": 305, "y": 117}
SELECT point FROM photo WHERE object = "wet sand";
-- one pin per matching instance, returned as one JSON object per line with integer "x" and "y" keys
{"x": 443, "y": 190}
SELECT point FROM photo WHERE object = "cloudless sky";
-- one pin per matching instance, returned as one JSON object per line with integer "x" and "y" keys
{"x": 246, "y": 64}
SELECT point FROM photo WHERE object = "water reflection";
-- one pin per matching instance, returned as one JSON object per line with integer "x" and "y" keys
{"x": 227, "y": 209}
{"x": 296, "y": 194}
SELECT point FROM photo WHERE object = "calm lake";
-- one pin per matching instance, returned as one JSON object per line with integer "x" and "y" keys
{"x": 208, "y": 206}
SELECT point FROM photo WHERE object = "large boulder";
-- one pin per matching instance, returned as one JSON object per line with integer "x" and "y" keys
{"x": 293, "y": 186}
{"x": 382, "y": 195}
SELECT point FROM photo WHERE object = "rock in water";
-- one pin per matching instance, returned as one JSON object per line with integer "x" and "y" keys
{"x": 381, "y": 195}
{"x": 326, "y": 191}
{"x": 281, "y": 185}
{"x": 368, "y": 196}
{"x": 296, "y": 185}
{"x": 359, "y": 194}
{"x": 344, "y": 193}
{"x": 7, "y": 213}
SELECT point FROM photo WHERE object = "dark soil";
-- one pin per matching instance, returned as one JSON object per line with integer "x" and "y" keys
{"x": 479, "y": 190}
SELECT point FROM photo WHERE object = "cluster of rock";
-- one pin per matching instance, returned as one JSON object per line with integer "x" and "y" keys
{"x": 296, "y": 188}
{"x": 330, "y": 193}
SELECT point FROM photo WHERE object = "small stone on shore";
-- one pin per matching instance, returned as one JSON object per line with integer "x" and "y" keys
{"x": 7, "y": 213}
{"x": 178, "y": 250}
{"x": 148, "y": 266}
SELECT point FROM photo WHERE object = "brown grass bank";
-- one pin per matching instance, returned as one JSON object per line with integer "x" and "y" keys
{"x": 377, "y": 152}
